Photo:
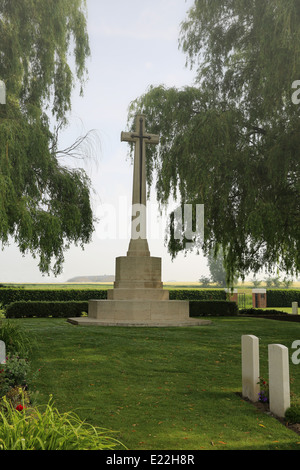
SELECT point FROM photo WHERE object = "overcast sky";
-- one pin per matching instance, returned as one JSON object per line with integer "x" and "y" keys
{"x": 134, "y": 44}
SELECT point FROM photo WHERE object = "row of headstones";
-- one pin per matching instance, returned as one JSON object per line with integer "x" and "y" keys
{"x": 279, "y": 380}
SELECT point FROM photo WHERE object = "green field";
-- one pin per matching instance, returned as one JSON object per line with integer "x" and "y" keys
{"x": 62, "y": 285}
{"x": 245, "y": 287}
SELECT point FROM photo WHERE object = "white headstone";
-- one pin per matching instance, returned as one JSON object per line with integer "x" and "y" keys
{"x": 2, "y": 92}
{"x": 250, "y": 367}
{"x": 2, "y": 352}
{"x": 295, "y": 308}
{"x": 279, "y": 379}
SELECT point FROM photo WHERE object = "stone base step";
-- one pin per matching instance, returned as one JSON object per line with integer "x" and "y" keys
{"x": 139, "y": 311}
{"x": 137, "y": 294}
{"x": 86, "y": 321}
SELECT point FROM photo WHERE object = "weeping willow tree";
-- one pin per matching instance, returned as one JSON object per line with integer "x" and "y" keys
{"x": 232, "y": 140}
{"x": 44, "y": 206}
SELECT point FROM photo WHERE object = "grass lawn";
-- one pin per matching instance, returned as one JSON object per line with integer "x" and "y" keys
{"x": 162, "y": 388}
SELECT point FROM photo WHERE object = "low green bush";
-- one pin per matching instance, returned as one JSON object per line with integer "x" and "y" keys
{"x": 292, "y": 414}
{"x": 46, "y": 309}
{"x": 203, "y": 308}
{"x": 260, "y": 311}
{"x": 16, "y": 372}
{"x": 197, "y": 294}
{"x": 8, "y": 296}
{"x": 11, "y": 295}
{"x": 15, "y": 339}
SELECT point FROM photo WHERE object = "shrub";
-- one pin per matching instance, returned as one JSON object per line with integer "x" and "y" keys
{"x": 23, "y": 428}
{"x": 46, "y": 309}
{"x": 197, "y": 294}
{"x": 11, "y": 295}
{"x": 199, "y": 308}
{"x": 15, "y": 339}
{"x": 8, "y": 296}
{"x": 16, "y": 372}
{"x": 292, "y": 414}
{"x": 260, "y": 311}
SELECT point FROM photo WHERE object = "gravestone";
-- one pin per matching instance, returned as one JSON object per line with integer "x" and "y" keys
{"x": 250, "y": 367}
{"x": 295, "y": 308}
{"x": 279, "y": 379}
{"x": 138, "y": 297}
{"x": 2, "y": 352}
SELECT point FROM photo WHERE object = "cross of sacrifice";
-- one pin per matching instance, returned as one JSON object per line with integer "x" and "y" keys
{"x": 140, "y": 138}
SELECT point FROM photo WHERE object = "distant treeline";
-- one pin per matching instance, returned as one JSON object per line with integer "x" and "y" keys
{"x": 104, "y": 278}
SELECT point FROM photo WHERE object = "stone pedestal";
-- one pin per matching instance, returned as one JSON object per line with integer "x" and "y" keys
{"x": 138, "y": 298}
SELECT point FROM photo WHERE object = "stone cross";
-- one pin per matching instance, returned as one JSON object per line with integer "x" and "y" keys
{"x": 2, "y": 352}
{"x": 140, "y": 138}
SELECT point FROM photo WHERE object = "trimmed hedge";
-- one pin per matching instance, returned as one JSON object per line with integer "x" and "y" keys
{"x": 7, "y": 296}
{"x": 282, "y": 297}
{"x": 204, "y": 308}
{"x": 260, "y": 311}
{"x": 269, "y": 314}
{"x": 22, "y": 303}
{"x": 198, "y": 308}
{"x": 197, "y": 294}
{"x": 46, "y": 309}
{"x": 275, "y": 297}
{"x": 10, "y": 295}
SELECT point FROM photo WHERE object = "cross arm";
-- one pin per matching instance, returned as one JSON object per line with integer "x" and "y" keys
{"x": 153, "y": 139}
{"x": 128, "y": 137}
{"x": 133, "y": 137}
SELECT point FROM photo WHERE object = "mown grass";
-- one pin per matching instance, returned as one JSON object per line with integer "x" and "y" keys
{"x": 162, "y": 388}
